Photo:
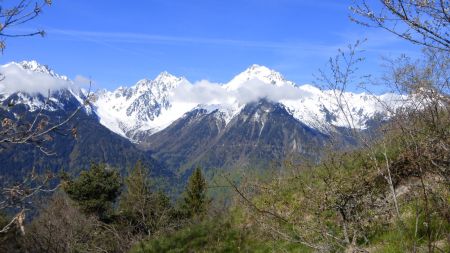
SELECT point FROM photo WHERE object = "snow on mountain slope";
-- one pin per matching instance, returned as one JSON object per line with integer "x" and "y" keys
{"x": 144, "y": 106}
{"x": 224, "y": 112}
{"x": 325, "y": 108}
{"x": 38, "y": 87}
{"x": 257, "y": 72}
{"x": 314, "y": 107}
{"x": 39, "y": 68}
{"x": 151, "y": 105}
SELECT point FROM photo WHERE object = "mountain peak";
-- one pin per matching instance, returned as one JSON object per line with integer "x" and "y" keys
{"x": 257, "y": 68}
{"x": 34, "y": 66}
{"x": 166, "y": 77}
{"x": 258, "y": 72}
{"x": 128, "y": 109}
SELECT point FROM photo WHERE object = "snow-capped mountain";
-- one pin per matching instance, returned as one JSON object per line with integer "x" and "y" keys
{"x": 258, "y": 116}
{"x": 34, "y": 66}
{"x": 262, "y": 134}
{"x": 152, "y": 105}
{"x": 139, "y": 107}
{"x": 38, "y": 87}
{"x": 31, "y": 92}
{"x": 257, "y": 72}
{"x": 325, "y": 109}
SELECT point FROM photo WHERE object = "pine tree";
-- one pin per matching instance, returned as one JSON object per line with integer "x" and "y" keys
{"x": 195, "y": 202}
{"x": 95, "y": 190}
{"x": 146, "y": 210}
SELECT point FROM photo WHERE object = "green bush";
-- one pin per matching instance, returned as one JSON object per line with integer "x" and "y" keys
{"x": 212, "y": 237}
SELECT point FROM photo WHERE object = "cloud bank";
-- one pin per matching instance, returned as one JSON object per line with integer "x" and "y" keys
{"x": 17, "y": 79}
{"x": 205, "y": 92}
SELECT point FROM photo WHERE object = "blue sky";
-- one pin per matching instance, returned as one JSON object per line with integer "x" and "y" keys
{"x": 119, "y": 42}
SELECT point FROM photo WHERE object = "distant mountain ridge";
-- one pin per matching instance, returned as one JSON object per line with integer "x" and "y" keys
{"x": 147, "y": 106}
{"x": 257, "y": 118}
{"x": 263, "y": 134}
{"x": 157, "y": 105}
{"x": 72, "y": 152}
{"x": 135, "y": 108}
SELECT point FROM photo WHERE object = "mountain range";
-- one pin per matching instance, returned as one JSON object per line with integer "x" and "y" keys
{"x": 256, "y": 119}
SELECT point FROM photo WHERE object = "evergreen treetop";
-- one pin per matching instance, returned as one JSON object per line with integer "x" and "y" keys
{"x": 195, "y": 202}
{"x": 95, "y": 190}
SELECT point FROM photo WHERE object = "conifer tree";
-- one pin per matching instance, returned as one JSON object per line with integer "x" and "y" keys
{"x": 145, "y": 209}
{"x": 95, "y": 190}
{"x": 195, "y": 202}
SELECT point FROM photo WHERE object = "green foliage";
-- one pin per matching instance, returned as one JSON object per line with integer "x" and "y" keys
{"x": 195, "y": 202}
{"x": 95, "y": 190}
{"x": 411, "y": 234}
{"x": 213, "y": 236}
{"x": 145, "y": 209}
{"x": 346, "y": 201}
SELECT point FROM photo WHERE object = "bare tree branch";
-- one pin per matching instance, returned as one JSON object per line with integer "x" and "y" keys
{"x": 12, "y": 15}
{"x": 421, "y": 22}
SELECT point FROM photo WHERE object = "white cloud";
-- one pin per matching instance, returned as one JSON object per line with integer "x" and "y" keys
{"x": 16, "y": 79}
{"x": 205, "y": 92}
